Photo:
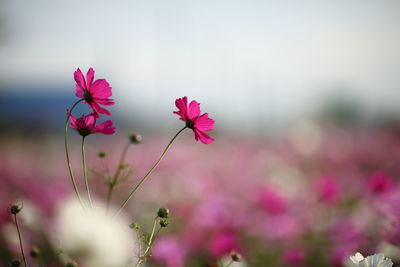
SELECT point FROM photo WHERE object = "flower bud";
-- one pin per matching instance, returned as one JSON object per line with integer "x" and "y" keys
{"x": 35, "y": 252}
{"x": 235, "y": 256}
{"x": 163, "y": 213}
{"x": 123, "y": 165}
{"x": 15, "y": 263}
{"x": 15, "y": 209}
{"x": 164, "y": 222}
{"x": 135, "y": 138}
{"x": 102, "y": 154}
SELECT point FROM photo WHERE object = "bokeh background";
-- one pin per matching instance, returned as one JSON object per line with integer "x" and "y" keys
{"x": 305, "y": 95}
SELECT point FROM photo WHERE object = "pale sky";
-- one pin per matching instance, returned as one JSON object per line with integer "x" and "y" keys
{"x": 249, "y": 60}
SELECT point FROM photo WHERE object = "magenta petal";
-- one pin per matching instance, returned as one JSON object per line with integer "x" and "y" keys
{"x": 202, "y": 136}
{"x": 204, "y": 123}
{"x": 105, "y": 102}
{"x": 181, "y": 104}
{"x": 79, "y": 91}
{"x": 79, "y": 79}
{"x": 89, "y": 78}
{"x": 72, "y": 122}
{"x": 101, "y": 89}
{"x": 194, "y": 109}
{"x": 105, "y": 128}
{"x": 90, "y": 120}
{"x": 97, "y": 109}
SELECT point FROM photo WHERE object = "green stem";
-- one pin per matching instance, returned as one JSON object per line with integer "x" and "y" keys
{"x": 85, "y": 172}
{"x": 230, "y": 263}
{"x": 20, "y": 240}
{"x": 150, "y": 243}
{"x": 114, "y": 179}
{"x": 71, "y": 174}
{"x": 149, "y": 172}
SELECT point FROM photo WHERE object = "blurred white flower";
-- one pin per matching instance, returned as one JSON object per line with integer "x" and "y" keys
{"x": 376, "y": 260}
{"x": 94, "y": 238}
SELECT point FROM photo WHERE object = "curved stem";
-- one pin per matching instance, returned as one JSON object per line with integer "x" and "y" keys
{"x": 71, "y": 174}
{"x": 149, "y": 172}
{"x": 85, "y": 176}
{"x": 114, "y": 179}
{"x": 20, "y": 240}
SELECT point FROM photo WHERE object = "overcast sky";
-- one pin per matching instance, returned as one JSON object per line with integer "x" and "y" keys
{"x": 249, "y": 60}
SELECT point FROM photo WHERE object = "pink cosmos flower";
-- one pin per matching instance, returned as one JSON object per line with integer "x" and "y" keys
{"x": 95, "y": 93}
{"x": 190, "y": 114}
{"x": 272, "y": 201}
{"x": 380, "y": 183}
{"x": 328, "y": 190}
{"x": 86, "y": 125}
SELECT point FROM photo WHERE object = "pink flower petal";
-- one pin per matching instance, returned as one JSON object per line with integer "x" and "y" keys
{"x": 97, "y": 109}
{"x": 194, "y": 109}
{"x": 101, "y": 89}
{"x": 105, "y": 102}
{"x": 79, "y": 79}
{"x": 204, "y": 123}
{"x": 72, "y": 122}
{"x": 89, "y": 78}
{"x": 202, "y": 136}
{"x": 105, "y": 128}
{"x": 181, "y": 104}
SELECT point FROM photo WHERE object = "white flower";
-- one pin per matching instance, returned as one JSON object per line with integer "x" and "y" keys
{"x": 94, "y": 238}
{"x": 376, "y": 260}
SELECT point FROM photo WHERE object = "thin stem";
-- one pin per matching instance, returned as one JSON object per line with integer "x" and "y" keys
{"x": 230, "y": 263}
{"x": 149, "y": 172}
{"x": 20, "y": 240}
{"x": 114, "y": 179}
{"x": 149, "y": 243}
{"x": 85, "y": 176}
{"x": 71, "y": 174}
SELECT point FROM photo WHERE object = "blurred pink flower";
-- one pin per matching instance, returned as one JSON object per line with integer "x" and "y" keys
{"x": 293, "y": 256}
{"x": 272, "y": 201}
{"x": 328, "y": 190}
{"x": 94, "y": 93}
{"x": 86, "y": 125}
{"x": 168, "y": 250}
{"x": 223, "y": 242}
{"x": 380, "y": 183}
{"x": 200, "y": 124}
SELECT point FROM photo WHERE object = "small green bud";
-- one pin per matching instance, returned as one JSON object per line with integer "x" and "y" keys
{"x": 15, "y": 263}
{"x": 163, "y": 213}
{"x": 235, "y": 256}
{"x": 134, "y": 226}
{"x": 164, "y": 222}
{"x": 135, "y": 138}
{"x": 15, "y": 209}
{"x": 35, "y": 252}
{"x": 102, "y": 154}
{"x": 71, "y": 263}
{"x": 123, "y": 165}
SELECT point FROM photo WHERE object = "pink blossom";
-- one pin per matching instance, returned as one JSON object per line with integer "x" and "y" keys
{"x": 200, "y": 124}
{"x": 223, "y": 243}
{"x": 168, "y": 250}
{"x": 272, "y": 201}
{"x": 94, "y": 93}
{"x": 86, "y": 125}
{"x": 293, "y": 256}
{"x": 328, "y": 190}
{"x": 380, "y": 183}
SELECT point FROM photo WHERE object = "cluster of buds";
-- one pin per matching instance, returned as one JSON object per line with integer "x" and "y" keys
{"x": 163, "y": 214}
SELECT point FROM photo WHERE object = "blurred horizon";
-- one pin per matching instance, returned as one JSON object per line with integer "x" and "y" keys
{"x": 257, "y": 66}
